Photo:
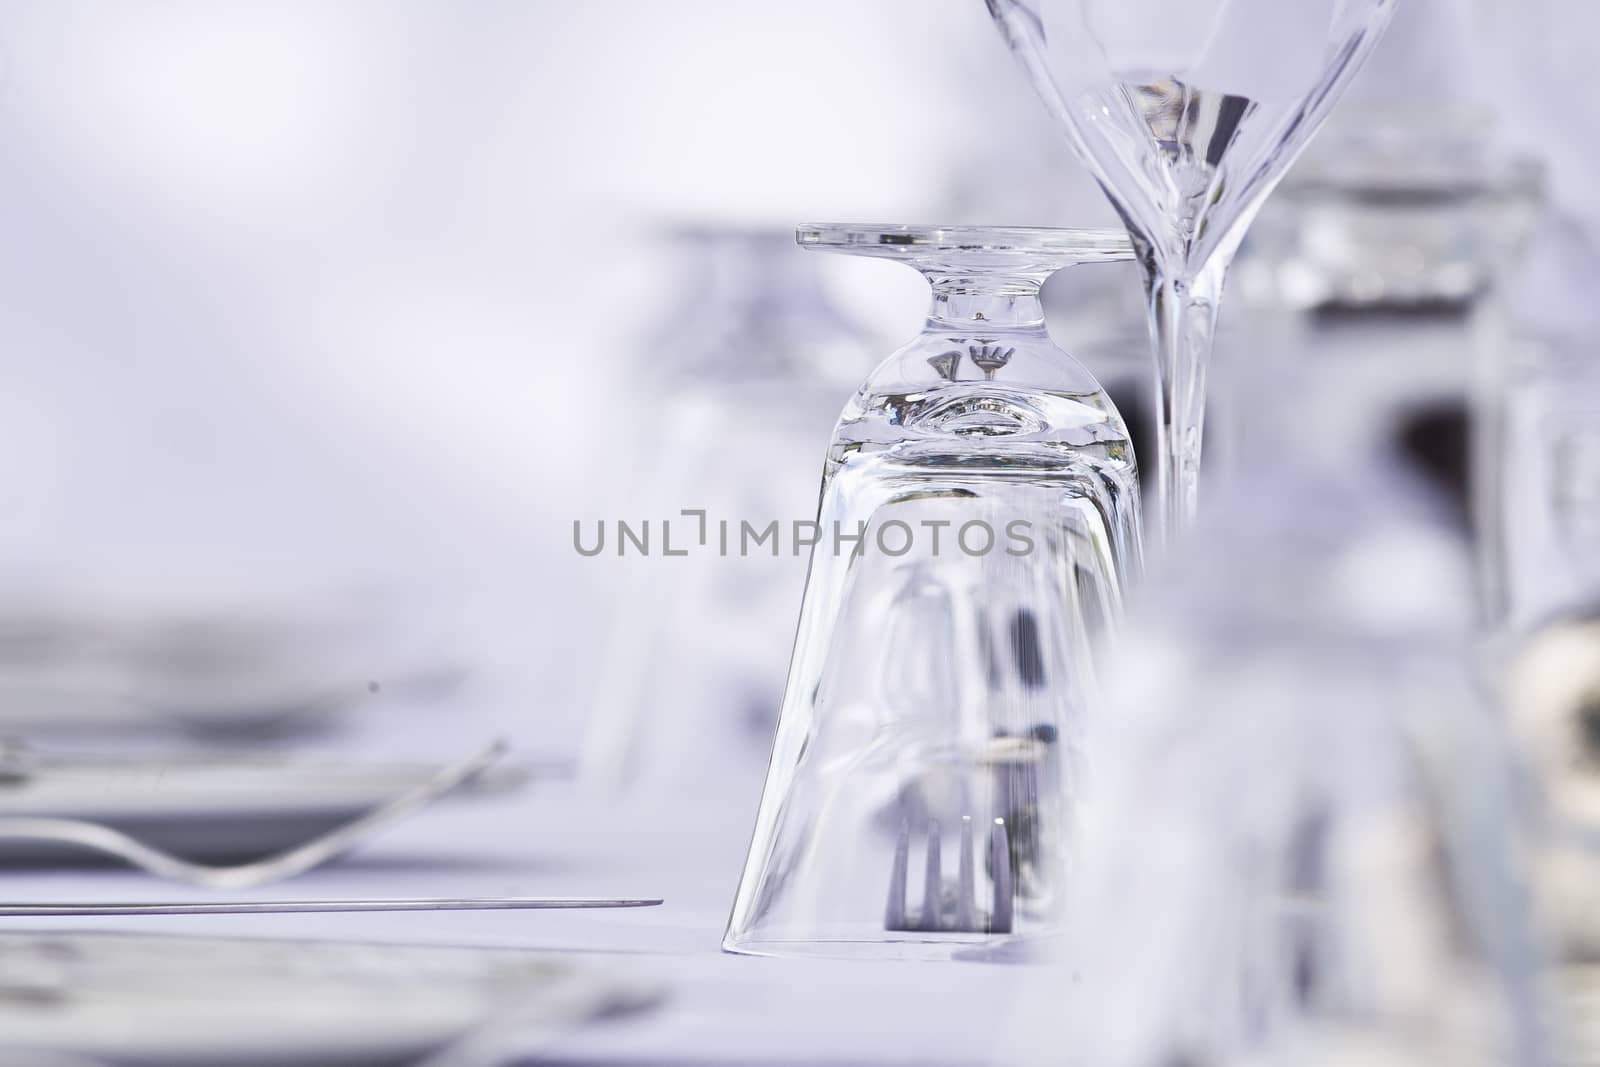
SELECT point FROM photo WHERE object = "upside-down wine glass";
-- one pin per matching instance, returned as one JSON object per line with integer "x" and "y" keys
{"x": 921, "y": 797}
{"x": 1188, "y": 112}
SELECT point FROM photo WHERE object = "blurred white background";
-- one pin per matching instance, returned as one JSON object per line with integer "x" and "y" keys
{"x": 300, "y": 294}
{"x": 305, "y": 294}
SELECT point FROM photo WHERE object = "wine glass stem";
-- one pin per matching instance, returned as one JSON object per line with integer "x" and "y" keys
{"x": 1183, "y": 317}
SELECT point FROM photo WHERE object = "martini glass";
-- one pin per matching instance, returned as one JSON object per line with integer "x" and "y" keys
{"x": 1188, "y": 112}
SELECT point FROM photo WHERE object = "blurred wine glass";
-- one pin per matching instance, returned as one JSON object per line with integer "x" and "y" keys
{"x": 737, "y": 386}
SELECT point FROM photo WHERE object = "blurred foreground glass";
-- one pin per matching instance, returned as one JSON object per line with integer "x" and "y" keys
{"x": 1300, "y": 844}
{"x": 1553, "y": 697}
{"x": 742, "y": 381}
{"x": 1552, "y": 692}
{"x": 1188, "y": 112}
{"x": 1302, "y": 853}
{"x": 979, "y": 518}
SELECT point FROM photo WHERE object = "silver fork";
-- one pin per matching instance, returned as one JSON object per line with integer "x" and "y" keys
{"x": 97, "y": 837}
{"x": 955, "y": 911}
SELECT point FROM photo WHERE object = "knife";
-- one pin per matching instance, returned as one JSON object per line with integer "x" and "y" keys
{"x": 246, "y": 907}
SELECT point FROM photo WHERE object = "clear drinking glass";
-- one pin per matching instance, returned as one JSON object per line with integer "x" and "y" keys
{"x": 1188, "y": 112}
{"x": 979, "y": 518}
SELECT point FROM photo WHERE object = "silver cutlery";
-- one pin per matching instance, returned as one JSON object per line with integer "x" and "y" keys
{"x": 271, "y": 907}
{"x": 947, "y": 907}
{"x": 97, "y": 837}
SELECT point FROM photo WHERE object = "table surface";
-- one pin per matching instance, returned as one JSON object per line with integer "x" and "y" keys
{"x": 563, "y": 839}
{"x": 683, "y": 844}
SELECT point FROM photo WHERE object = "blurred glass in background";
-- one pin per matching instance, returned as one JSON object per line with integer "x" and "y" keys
{"x": 1409, "y": 200}
{"x": 1396, "y": 247}
{"x": 1548, "y": 476}
{"x": 737, "y": 392}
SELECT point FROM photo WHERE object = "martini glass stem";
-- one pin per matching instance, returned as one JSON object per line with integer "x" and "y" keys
{"x": 1183, "y": 318}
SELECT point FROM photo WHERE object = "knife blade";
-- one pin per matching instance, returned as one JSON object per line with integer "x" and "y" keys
{"x": 245, "y": 907}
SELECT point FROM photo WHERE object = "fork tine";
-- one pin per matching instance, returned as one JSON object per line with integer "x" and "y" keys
{"x": 1000, "y": 866}
{"x": 932, "y": 882}
{"x": 894, "y": 914}
{"x": 966, "y": 892}
{"x": 967, "y": 916}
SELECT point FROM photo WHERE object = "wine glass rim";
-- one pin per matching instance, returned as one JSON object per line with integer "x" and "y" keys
{"x": 1065, "y": 245}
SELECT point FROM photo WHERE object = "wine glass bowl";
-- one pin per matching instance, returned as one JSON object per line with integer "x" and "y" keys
{"x": 1188, "y": 112}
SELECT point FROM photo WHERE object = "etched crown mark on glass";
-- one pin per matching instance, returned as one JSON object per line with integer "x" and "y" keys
{"x": 920, "y": 798}
{"x": 1188, "y": 112}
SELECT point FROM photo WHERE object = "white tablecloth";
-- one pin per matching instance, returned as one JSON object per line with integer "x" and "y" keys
{"x": 557, "y": 839}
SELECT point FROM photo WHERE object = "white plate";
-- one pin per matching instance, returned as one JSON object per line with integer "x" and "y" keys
{"x": 208, "y": 673}
{"x": 187, "y": 1001}
{"x": 221, "y": 808}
